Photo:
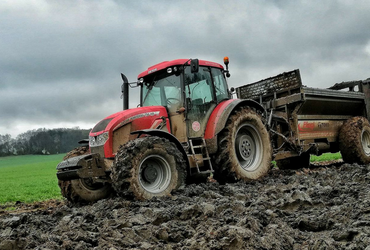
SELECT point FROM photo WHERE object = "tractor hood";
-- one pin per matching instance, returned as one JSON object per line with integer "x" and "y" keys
{"x": 120, "y": 125}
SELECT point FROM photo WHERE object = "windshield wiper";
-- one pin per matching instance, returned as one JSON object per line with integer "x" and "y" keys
{"x": 151, "y": 85}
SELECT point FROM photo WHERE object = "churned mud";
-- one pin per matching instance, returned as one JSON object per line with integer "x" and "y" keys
{"x": 325, "y": 207}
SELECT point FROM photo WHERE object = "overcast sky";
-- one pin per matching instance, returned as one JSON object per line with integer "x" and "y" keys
{"x": 60, "y": 61}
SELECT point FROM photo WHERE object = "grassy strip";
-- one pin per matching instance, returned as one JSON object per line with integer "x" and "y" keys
{"x": 326, "y": 157}
{"x": 29, "y": 178}
{"x": 323, "y": 157}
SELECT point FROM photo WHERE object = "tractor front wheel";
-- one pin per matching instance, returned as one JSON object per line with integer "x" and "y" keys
{"x": 83, "y": 190}
{"x": 148, "y": 167}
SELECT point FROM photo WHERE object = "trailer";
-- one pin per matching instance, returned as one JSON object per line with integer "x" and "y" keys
{"x": 304, "y": 120}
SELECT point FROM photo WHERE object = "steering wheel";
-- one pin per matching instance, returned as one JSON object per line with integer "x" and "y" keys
{"x": 172, "y": 101}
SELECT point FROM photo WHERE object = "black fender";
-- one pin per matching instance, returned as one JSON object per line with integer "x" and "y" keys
{"x": 168, "y": 136}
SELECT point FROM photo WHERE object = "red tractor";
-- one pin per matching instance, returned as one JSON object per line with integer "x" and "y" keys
{"x": 187, "y": 126}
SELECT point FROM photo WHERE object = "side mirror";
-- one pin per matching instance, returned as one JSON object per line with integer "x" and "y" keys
{"x": 194, "y": 65}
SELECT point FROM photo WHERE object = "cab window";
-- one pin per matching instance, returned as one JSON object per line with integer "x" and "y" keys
{"x": 162, "y": 90}
{"x": 220, "y": 85}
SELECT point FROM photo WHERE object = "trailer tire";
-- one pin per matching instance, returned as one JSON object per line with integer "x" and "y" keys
{"x": 148, "y": 167}
{"x": 244, "y": 148}
{"x": 302, "y": 161}
{"x": 83, "y": 190}
{"x": 354, "y": 140}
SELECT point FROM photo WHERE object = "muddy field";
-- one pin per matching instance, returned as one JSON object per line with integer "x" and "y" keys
{"x": 318, "y": 208}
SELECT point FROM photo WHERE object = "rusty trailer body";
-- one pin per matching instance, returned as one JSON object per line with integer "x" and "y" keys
{"x": 307, "y": 120}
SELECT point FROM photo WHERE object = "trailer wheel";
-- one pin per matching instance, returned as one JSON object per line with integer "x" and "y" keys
{"x": 148, "y": 167}
{"x": 302, "y": 161}
{"x": 354, "y": 140}
{"x": 244, "y": 148}
{"x": 83, "y": 190}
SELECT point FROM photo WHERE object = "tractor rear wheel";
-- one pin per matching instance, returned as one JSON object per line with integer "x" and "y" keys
{"x": 83, "y": 190}
{"x": 148, "y": 167}
{"x": 354, "y": 140}
{"x": 244, "y": 148}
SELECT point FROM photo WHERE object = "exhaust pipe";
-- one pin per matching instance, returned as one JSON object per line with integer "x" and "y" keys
{"x": 124, "y": 89}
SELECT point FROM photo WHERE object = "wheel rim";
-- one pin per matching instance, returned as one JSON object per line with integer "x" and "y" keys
{"x": 155, "y": 174}
{"x": 248, "y": 147}
{"x": 365, "y": 140}
{"x": 90, "y": 185}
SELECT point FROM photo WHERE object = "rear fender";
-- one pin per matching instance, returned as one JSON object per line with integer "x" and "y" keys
{"x": 219, "y": 117}
{"x": 164, "y": 134}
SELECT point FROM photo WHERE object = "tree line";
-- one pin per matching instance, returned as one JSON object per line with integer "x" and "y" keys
{"x": 42, "y": 141}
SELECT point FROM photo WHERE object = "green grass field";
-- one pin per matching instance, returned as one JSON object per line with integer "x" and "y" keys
{"x": 29, "y": 178}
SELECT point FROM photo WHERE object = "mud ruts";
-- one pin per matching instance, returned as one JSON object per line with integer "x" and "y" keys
{"x": 320, "y": 208}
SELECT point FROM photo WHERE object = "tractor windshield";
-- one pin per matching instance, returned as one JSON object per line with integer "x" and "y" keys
{"x": 161, "y": 89}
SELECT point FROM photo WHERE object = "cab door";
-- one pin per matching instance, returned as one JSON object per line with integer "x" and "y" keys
{"x": 174, "y": 102}
{"x": 200, "y": 99}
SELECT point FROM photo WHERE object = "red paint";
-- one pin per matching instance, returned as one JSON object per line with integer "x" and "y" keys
{"x": 306, "y": 126}
{"x": 216, "y": 115}
{"x": 177, "y": 62}
{"x": 140, "y": 118}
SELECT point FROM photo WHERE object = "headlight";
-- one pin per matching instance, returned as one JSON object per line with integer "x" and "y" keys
{"x": 99, "y": 140}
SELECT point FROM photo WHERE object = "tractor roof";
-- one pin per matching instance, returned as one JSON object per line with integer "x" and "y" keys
{"x": 177, "y": 62}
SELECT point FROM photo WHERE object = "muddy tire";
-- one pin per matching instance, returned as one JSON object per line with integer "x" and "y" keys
{"x": 148, "y": 167}
{"x": 302, "y": 161}
{"x": 244, "y": 148}
{"x": 83, "y": 190}
{"x": 354, "y": 140}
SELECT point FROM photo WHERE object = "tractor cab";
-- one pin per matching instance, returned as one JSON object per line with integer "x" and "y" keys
{"x": 189, "y": 89}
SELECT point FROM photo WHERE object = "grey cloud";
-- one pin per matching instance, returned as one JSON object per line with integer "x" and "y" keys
{"x": 61, "y": 61}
